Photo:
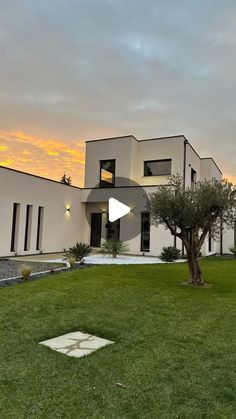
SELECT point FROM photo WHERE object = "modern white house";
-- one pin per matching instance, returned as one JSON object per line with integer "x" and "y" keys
{"x": 40, "y": 215}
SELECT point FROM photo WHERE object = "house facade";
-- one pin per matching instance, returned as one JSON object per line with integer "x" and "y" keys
{"x": 39, "y": 215}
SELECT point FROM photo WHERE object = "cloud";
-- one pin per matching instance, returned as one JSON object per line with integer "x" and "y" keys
{"x": 74, "y": 70}
{"x": 45, "y": 157}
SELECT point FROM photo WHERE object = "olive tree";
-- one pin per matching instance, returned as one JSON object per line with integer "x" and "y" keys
{"x": 192, "y": 214}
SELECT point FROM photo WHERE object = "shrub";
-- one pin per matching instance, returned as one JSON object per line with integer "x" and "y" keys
{"x": 25, "y": 271}
{"x": 78, "y": 251}
{"x": 170, "y": 253}
{"x": 72, "y": 262}
{"x": 232, "y": 249}
{"x": 114, "y": 247}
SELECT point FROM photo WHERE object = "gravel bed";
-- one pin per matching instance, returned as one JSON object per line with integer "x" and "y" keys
{"x": 10, "y": 268}
{"x": 10, "y": 275}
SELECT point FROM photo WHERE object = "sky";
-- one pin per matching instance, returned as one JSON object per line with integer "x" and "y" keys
{"x": 73, "y": 70}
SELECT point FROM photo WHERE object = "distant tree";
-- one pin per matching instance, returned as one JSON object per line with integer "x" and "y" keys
{"x": 191, "y": 214}
{"x": 66, "y": 180}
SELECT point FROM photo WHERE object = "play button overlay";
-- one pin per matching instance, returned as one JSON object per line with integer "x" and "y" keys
{"x": 114, "y": 212}
{"x": 117, "y": 209}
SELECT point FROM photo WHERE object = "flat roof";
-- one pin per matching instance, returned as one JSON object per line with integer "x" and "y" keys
{"x": 180, "y": 136}
{"x": 168, "y": 137}
{"x": 136, "y": 139}
{"x": 37, "y": 176}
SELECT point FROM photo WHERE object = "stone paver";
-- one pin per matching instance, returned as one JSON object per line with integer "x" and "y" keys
{"x": 76, "y": 344}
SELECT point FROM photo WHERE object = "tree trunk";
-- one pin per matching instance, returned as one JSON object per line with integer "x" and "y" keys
{"x": 195, "y": 273}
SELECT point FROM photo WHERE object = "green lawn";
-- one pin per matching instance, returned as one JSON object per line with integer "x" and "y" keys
{"x": 175, "y": 349}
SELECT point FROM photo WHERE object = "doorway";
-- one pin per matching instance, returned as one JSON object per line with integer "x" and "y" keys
{"x": 96, "y": 229}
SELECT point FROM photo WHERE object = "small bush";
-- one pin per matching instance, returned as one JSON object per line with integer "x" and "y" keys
{"x": 72, "y": 262}
{"x": 232, "y": 249}
{"x": 25, "y": 271}
{"x": 169, "y": 254}
{"x": 114, "y": 247}
{"x": 78, "y": 251}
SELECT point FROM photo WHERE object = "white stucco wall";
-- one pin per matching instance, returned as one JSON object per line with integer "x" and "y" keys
{"x": 60, "y": 227}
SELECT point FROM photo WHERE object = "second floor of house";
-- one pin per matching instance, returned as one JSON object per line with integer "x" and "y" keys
{"x": 123, "y": 161}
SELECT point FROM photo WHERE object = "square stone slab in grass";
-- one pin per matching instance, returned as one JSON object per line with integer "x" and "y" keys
{"x": 76, "y": 344}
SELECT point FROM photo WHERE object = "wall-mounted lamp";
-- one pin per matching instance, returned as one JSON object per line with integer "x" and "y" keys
{"x": 68, "y": 209}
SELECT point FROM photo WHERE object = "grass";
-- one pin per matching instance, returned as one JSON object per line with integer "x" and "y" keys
{"x": 174, "y": 352}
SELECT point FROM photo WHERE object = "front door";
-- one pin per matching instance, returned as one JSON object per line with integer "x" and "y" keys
{"x": 96, "y": 229}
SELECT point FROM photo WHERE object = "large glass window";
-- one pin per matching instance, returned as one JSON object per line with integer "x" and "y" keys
{"x": 107, "y": 173}
{"x": 157, "y": 167}
{"x": 145, "y": 231}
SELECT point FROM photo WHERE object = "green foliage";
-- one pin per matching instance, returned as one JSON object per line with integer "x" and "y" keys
{"x": 202, "y": 208}
{"x": 78, "y": 251}
{"x": 170, "y": 253}
{"x": 25, "y": 271}
{"x": 232, "y": 249}
{"x": 190, "y": 214}
{"x": 114, "y": 247}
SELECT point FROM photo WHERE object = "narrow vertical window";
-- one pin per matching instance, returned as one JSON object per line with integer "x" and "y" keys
{"x": 145, "y": 231}
{"x": 193, "y": 178}
{"x": 15, "y": 227}
{"x": 234, "y": 233}
{"x": 28, "y": 222}
{"x": 39, "y": 228}
{"x": 209, "y": 241}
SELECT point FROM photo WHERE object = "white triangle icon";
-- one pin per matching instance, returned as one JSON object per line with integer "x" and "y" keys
{"x": 117, "y": 209}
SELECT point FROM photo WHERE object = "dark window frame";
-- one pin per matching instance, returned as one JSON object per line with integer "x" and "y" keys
{"x": 142, "y": 232}
{"x": 157, "y": 161}
{"x": 193, "y": 178}
{"x": 109, "y": 185}
{"x": 15, "y": 226}
{"x": 39, "y": 228}
{"x": 234, "y": 233}
{"x": 210, "y": 241}
{"x": 28, "y": 221}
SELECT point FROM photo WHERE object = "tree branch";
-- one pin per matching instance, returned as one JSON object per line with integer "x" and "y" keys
{"x": 172, "y": 230}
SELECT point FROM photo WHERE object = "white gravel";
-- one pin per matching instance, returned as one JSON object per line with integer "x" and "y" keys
{"x": 123, "y": 260}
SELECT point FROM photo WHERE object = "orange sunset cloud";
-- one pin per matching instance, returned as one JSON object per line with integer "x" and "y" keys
{"x": 44, "y": 157}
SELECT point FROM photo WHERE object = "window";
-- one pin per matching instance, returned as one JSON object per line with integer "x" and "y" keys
{"x": 15, "y": 227}
{"x": 107, "y": 173}
{"x": 193, "y": 178}
{"x": 234, "y": 233}
{"x": 210, "y": 241}
{"x": 145, "y": 231}
{"x": 39, "y": 228}
{"x": 157, "y": 167}
{"x": 28, "y": 220}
